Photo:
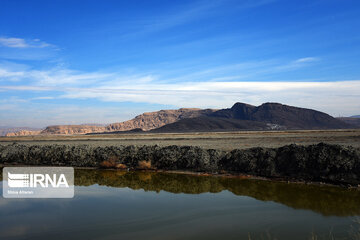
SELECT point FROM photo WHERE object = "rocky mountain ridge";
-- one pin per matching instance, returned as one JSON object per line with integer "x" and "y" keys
{"x": 283, "y": 115}
{"x": 22, "y": 131}
{"x": 152, "y": 120}
{"x": 241, "y": 116}
{"x": 146, "y": 121}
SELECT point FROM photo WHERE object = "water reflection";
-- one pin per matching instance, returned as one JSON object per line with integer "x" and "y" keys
{"x": 143, "y": 205}
{"x": 326, "y": 200}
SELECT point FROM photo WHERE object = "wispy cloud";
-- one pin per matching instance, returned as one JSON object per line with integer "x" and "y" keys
{"x": 55, "y": 77}
{"x": 63, "y": 77}
{"x": 12, "y": 48}
{"x": 166, "y": 21}
{"x": 9, "y": 74}
{"x": 224, "y": 94}
{"x": 13, "y": 42}
{"x": 307, "y": 60}
{"x": 43, "y": 98}
{"x": 298, "y": 63}
{"x": 251, "y": 70}
{"x": 191, "y": 12}
{"x": 208, "y": 88}
{"x": 330, "y": 97}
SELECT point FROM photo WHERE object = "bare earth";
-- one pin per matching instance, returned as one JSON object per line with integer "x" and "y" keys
{"x": 224, "y": 141}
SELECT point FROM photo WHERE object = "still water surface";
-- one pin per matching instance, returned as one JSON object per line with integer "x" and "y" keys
{"x": 129, "y": 205}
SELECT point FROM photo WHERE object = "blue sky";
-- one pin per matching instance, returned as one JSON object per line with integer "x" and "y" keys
{"x": 70, "y": 62}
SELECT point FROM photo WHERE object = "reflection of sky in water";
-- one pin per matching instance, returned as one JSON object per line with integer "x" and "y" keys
{"x": 99, "y": 212}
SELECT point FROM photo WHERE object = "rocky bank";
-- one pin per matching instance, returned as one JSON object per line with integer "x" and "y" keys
{"x": 322, "y": 162}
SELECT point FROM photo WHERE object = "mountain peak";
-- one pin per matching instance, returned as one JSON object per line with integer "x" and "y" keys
{"x": 241, "y": 110}
{"x": 240, "y": 104}
{"x": 282, "y": 115}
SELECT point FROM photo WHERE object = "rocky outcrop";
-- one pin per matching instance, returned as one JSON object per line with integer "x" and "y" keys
{"x": 143, "y": 122}
{"x": 322, "y": 162}
{"x": 22, "y": 133}
{"x": 152, "y": 120}
{"x": 60, "y": 130}
{"x": 10, "y": 131}
{"x": 72, "y": 129}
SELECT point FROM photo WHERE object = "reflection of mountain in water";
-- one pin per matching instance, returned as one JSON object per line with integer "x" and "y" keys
{"x": 326, "y": 200}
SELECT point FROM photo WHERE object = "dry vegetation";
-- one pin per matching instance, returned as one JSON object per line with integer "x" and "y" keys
{"x": 110, "y": 163}
{"x": 144, "y": 165}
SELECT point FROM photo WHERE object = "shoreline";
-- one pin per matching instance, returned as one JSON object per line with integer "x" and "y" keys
{"x": 321, "y": 163}
{"x": 209, "y": 174}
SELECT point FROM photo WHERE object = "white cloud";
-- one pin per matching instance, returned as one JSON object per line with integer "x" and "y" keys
{"x": 63, "y": 77}
{"x": 43, "y": 98}
{"x": 66, "y": 77}
{"x": 55, "y": 77}
{"x": 210, "y": 88}
{"x": 9, "y": 74}
{"x": 12, "y": 42}
{"x": 307, "y": 59}
{"x": 28, "y": 88}
{"x": 335, "y": 98}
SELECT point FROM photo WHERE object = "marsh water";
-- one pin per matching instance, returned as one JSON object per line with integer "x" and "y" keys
{"x": 143, "y": 205}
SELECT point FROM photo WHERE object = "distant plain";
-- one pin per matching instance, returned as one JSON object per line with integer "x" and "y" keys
{"x": 208, "y": 140}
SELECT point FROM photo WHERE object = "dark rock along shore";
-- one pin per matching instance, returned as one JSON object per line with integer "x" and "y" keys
{"x": 321, "y": 163}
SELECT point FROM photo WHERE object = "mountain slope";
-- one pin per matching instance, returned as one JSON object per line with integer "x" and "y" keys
{"x": 210, "y": 124}
{"x": 152, "y": 120}
{"x": 283, "y": 115}
{"x": 241, "y": 116}
{"x": 351, "y": 120}
{"x": 145, "y": 122}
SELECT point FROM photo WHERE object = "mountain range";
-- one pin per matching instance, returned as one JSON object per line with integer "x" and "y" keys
{"x": 268, "y": 116}
{"x": 241, "y": 116}
{"x": 353, "y": 120}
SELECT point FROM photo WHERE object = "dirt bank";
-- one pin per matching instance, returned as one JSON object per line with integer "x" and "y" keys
{"x": 322, "y": 162}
